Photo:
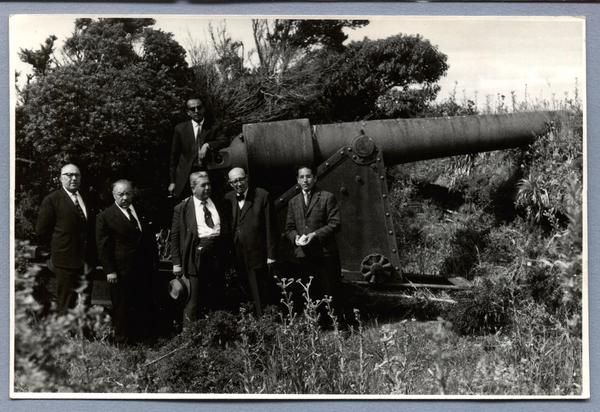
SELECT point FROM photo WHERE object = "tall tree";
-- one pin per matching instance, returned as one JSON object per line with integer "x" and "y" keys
{"x": 354, "y": 81}
{"x": 110, "y": 106}
{"x": 280, "y": 42}
{"x": 40, "y": 60}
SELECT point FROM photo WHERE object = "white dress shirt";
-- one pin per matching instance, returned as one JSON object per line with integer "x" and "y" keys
{"x": 197, "y": 128}
{"x": 241, "y": 202}
{"x": 203, "y": 229}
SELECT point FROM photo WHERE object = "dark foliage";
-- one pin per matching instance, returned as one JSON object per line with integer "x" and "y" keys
{"x": 108, "y": 108}
{"x": 484, "y": 309}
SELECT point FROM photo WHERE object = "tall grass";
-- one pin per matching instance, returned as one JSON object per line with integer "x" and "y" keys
{"x": 285, "y": 352}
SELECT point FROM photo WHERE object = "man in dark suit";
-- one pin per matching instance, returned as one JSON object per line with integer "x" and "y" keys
{"x": 66, "y": 223}
{"x": 193, "y": 143}
{"x": 312, "y": 219}
{"x": 128, "y": 252}
{"x": 199, "y": 246}
{"x": 253, "y": 231}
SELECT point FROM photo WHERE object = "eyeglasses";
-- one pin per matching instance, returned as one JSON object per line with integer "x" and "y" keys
{"x": 71, "y": 175}
{"x": 238, "y": 180}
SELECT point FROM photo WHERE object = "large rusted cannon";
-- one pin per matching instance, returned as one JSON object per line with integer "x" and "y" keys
{"x": 351, "y": 159}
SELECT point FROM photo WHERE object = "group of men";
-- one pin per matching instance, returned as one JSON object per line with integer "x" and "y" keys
{"x": 209, "y": 233}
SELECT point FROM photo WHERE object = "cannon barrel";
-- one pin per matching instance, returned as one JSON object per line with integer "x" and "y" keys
{"x": 267, "y": 148}
{"x": 349, "y": 160}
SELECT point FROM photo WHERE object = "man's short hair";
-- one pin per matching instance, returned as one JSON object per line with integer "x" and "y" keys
{"x": 192, "y": 98}
{"x": 69, "y": 164}
{"x": 121, "y": 181}
{"x": 194, "y": 177}
{"x": 312, "y": 170}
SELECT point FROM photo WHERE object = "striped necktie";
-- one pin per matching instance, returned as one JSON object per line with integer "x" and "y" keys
{"x": 207, "y": 216}
{"x": 79, "y": 209}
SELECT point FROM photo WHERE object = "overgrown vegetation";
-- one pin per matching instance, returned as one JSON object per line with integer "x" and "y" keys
{"x": 283, "y": 352}
{"x": 512, "y": 223}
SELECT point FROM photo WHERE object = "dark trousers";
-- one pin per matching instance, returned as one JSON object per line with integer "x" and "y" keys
{"x": 67, "y": 282}
{"x": 326, "y": 273}
{"x": 256, "y": 283}
{"x": 207, "y": 284}
{"x": 133, "y": 308}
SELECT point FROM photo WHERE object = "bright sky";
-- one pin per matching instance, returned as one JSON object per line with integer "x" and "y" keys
{"x": 486, "y": 55}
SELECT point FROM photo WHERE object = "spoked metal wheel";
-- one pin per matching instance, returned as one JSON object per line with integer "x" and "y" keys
{"x": 376, "y": 268}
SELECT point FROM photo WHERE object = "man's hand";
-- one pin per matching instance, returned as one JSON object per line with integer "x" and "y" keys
{"x": 171, "y": 188}
{"x": 203, "y": 151}
{"x": 111, "y": 278}
{"x": 310, "y": 237}
{"x": 270, "y": 261}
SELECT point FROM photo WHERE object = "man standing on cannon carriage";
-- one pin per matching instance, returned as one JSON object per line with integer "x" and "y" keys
{"x": 193, "y": 145}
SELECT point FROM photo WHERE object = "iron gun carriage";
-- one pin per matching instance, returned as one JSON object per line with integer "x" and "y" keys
{"x": 351, "y": 159}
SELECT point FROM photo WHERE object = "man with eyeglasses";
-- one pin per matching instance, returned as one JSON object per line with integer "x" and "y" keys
{"x": 192, "y": 146}
{"x": 254, "y": 234}
{"x": 66, "y": 223}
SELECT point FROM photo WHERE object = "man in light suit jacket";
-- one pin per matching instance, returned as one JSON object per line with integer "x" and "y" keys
{"x": 66, "y": 223}
{"x": 193, "y": 143}
{"x": 312, "y": 220}
{"x": 253, "y": 232}
{"x": 199, "y": 246}
{"x": 129, "y": 255}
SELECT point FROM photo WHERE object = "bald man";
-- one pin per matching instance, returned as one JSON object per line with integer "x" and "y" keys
{"x": 129, "y": 255}
{"x": 254, "y": 234}
{"x": 66, "y": 223}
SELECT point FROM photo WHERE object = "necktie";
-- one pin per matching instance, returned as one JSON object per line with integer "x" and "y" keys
{"x": 196, "y": 129}
{"x": 306, "y": 198}
{"x": 207, "y": 216}
{"x": 132, "y": 219}
{"x": 197, "y": 145}
{"x": 79, "y": 209}
{"x": 239, "y": 197}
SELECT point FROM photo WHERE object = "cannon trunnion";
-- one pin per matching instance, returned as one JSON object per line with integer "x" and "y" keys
{"x": 351, "y": 159}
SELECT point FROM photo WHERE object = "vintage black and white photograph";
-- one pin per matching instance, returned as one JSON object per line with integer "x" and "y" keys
{"x": 289, "y": 207}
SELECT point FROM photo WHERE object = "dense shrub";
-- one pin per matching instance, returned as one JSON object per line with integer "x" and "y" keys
{"x": 487, "y": 308}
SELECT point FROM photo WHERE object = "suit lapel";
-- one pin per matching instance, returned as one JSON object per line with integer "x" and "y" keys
{"x": 202, "y": 134}
{"x": 190, "y": 215}
{"x": 247, "y": 204}
{"x": 120, "y": 218}
{"x": 70, "y": 204}
{"x": 235, "y": 209}
{"x": 313, "y": 199}
{"x": 189, "y": 135}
